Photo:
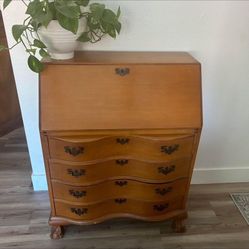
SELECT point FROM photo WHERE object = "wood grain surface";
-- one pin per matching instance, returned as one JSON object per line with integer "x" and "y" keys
{"x": 129, "y": 189}
{"x": 83, "y": 97}
{"x": 137, "y": 147}
{"x": 214, "y": 221}
{"x": 93, "y": 173}
{"x": 111, "y": 57}
{"x": 163, "y": 93}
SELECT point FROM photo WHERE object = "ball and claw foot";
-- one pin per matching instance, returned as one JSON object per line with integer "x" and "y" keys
{"x": 57, "y": 232}
{"x": 178, "y": 226}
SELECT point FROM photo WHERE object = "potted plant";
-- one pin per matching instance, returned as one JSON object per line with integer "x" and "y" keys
{"x": 52, "y": 28}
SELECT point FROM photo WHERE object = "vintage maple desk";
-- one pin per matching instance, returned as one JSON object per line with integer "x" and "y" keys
{"x": 120, "y": 132}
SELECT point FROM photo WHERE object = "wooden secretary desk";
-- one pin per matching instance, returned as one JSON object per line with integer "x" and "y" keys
{"x": 120, "y": 132}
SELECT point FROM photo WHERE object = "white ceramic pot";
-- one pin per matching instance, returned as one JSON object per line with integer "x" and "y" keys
{"x": 60, "y": 42}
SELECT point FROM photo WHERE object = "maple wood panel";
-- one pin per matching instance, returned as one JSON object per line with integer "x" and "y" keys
{"x": 120, "y": 132}
{"x": 119, "y": 189}
{"x": 116, "y": 206}
{"x": 83, "y": 97}
{"x": 126, "y": 57}
{"x": 91, "y": 173}
{"x": 146, "y": 148}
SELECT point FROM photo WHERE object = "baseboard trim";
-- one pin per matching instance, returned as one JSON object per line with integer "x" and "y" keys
{"x": 220, "y": 175}
{"x": 200, "y": 176}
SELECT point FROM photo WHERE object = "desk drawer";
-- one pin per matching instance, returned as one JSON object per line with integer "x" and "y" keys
{"x": 119, "y": 189}
{"x": 79, "y": 149}
{"x": 87, "y": 174}
{"x": 117, "y": 206}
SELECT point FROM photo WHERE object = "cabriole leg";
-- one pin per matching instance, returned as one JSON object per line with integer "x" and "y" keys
{"x": 57, "y": 232}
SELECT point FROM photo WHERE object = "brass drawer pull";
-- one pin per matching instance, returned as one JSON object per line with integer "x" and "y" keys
{"x": 122, "y": 161}
{"x": 122, "y": 71}
{"x": 77, "y": 194}
{"x": 166, "y": 170}
{"x": 120, "y": 200}
{"x": 121, "y": 183}
{"x": 76, "y": 172}
{"x": 163, "y": 191}
{"x": 123, "y": 140}
{"x": 170, "y": 149}
{"x": 79, "y": 211}
{"x": 160, "y": 207}
{"x": 74, "y": 151}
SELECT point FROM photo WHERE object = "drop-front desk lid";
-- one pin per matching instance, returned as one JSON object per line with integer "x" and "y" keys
{"x": 121, "y": 90}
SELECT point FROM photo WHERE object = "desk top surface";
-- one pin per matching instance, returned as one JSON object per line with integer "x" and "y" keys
{"x": 106, "y": 57}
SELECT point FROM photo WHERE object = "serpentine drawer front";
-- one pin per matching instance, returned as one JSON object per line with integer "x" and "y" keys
{"x": 117, "y": 189}
{"x": 94, "y": 172}
{"x": 120, "y": 132}
{"x": 146, "y": 148}
{"x": 145, "y": 209}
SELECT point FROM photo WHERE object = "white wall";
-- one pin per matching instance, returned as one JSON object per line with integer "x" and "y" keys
{"x": 27, "y": 89}
{"x": 216, "y": 33}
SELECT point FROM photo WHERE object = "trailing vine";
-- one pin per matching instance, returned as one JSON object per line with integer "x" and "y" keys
{"x": 100, "y": 21}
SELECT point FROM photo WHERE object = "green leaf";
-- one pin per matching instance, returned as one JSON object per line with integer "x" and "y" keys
{"x": 119, "y": 12}
{"x": 96, "y": 6}
{"x": 6, "y": 3}
{"x": 68, "y": 8}
{"x": 109, "y": 16}
{"x": 97, "y": 10}
{"x": 68, "y": 23}
{"x": 39, "y": 44}
{"x": 17, "y": 31}
{"x": 35, "y": 24}
{"x": 33, "y": 51}
{"x": 92, "y": 23}
{"x": 109, "y": 29}
{"x": 34, "y": 8}
{"x": 40, "y": 13}
{"x": 118, "y": 26}
{"x": 2, "y": 47}
{"x": 34, "y": 64}
{"x": 84, "y": 37}
{"x": 52, "y": 9}
{"x": 83, "y": 2}
{"x": 43, "y": 53}
{"x": 46, "y": 17}
{"x": 111, "y": 32}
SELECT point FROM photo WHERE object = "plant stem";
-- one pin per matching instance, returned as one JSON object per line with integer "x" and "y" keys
{"x": 24, "y": 2}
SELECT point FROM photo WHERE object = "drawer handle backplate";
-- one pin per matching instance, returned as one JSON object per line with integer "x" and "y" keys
{"x": 121, "y": 183}
{"x": 163, "y": 191}
{"x": 123, "y": 140}
{"x": 74, "y": 151}
{"x": 170, "y": 149}
{"x": 122, "y": 71}
{"x": 166, "y": 170}
{"x": 79, "y": 211}
{"x": 122, "y": 161}
{"x": 77, "y": 193}
{"x": 76, "y": 172}
{"x": 120, "y": 200}
{"x": 160, "y": 207}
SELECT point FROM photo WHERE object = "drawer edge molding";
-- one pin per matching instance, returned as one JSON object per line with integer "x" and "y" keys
{"x": 102, "y": 160}
{"x": 121, "y": 178}
{"x": 54, "y": 220}
{"x": 119, "y": 200}
{"x": 123, "y": 132}
{"x": 123, "y": 139}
